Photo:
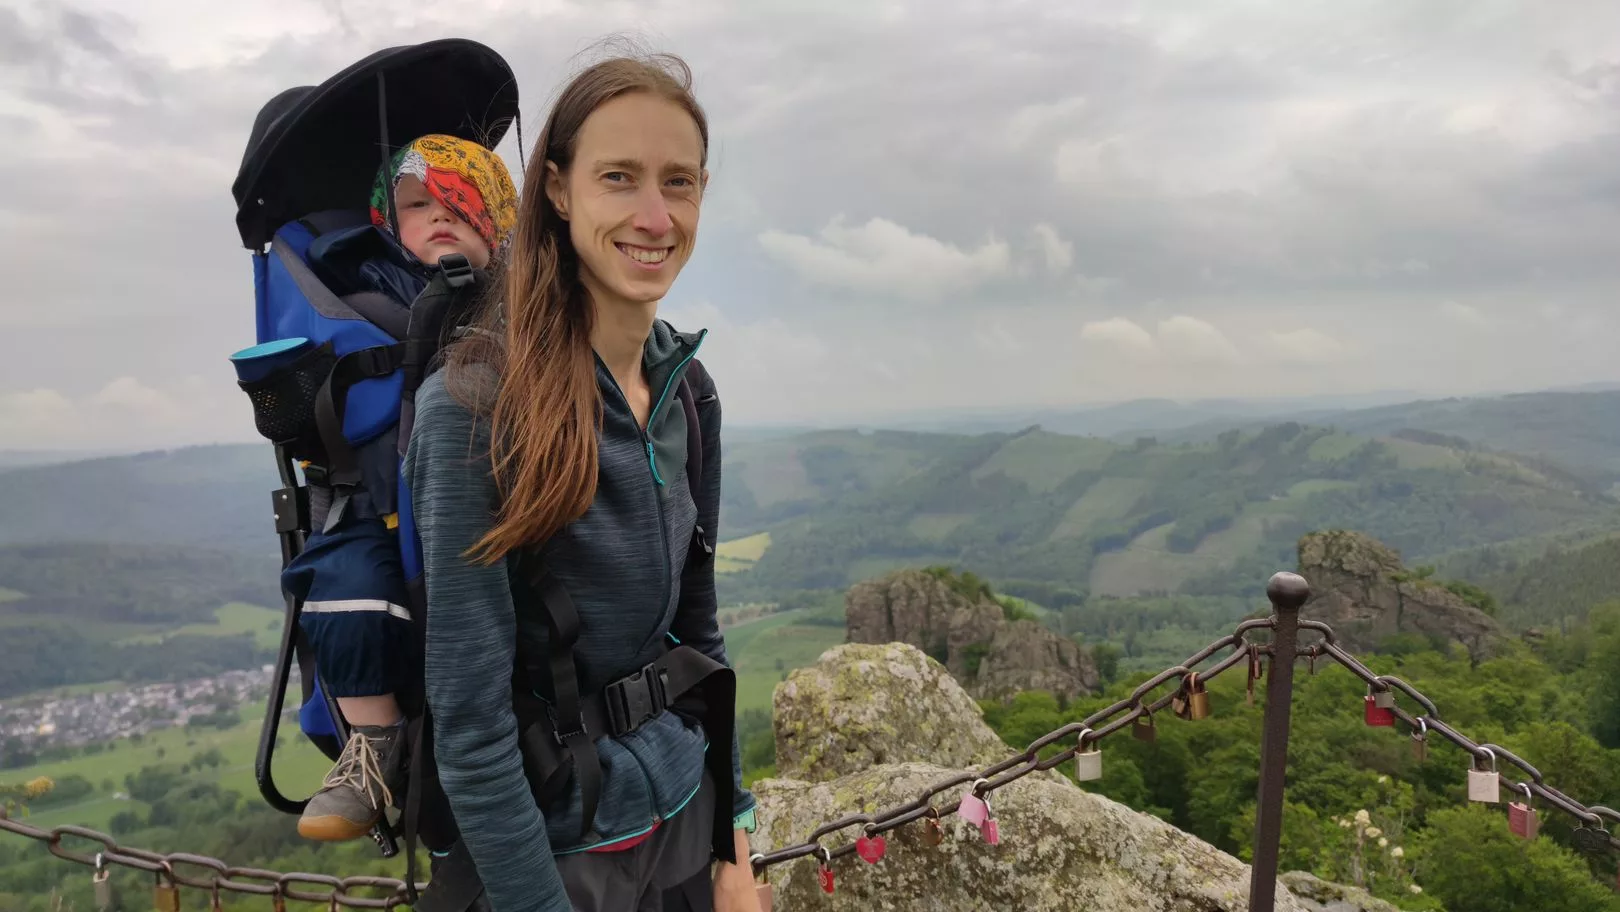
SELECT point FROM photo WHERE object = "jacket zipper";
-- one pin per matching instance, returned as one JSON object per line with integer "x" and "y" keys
{"x": 658, "y": 481}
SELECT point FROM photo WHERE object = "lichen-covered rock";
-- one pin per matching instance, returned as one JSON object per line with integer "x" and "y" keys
{"x": 1062, "y": 849}
{"x": 873, "y": 727}
{"x": 866, "y": 705}
{"x": 1360, "y": 588}
{"x": 1318, "y": 895}
{"x": 992, "y": 657}
{"x": 1024, "y": 655}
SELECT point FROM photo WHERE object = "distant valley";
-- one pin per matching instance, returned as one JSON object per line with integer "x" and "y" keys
{"x": 125, "y": 562}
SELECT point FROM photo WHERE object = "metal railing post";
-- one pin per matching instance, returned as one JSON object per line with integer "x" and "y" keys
{"x": 1287, "y": 592}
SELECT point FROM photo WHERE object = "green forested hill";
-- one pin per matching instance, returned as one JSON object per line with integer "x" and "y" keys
{"x": 1050, "y": 516}
{"x": 1580, "y": 430}
{"x": 216, "y": 497}
{"x": 1554, "y": 586}
{"x": 1044, "y": 513}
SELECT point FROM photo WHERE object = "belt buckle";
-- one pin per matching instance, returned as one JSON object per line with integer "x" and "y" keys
{"x": 636, "y": 698}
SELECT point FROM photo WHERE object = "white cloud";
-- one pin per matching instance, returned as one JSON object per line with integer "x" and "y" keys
{"x": 1179, "y": 339}
{"x": 127, "y": 412}
{"x": 1466, "y": 314}
{"x": 1118, "y": 332}
{"x": 1057, "y": 252}
{"x": 881, "y": 257}
{"x": 1196, "y": 341}
{"x": 1305, "y": 346}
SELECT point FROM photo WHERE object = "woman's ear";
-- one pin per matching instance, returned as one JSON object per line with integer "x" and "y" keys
{"x": 556, "y": 190}
{"x": 705, "y": 180}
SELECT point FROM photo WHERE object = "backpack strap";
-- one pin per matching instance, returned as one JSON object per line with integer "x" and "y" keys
{"x": 686, "y": 392}
{"x": 342, "y": 463}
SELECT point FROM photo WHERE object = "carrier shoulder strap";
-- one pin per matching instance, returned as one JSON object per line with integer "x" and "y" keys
{"x": 343, "y": 464}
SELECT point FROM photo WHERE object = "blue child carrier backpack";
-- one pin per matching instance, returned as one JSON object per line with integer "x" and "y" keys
{"x": 333, "y": 375}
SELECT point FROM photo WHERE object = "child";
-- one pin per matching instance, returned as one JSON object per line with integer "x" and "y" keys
{"x": 450, "y": 196}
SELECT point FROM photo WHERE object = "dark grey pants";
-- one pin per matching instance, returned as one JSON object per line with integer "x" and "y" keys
{"x": 669, "y": 872}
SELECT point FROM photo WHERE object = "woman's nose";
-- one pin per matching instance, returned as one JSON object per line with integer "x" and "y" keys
{"x": 652, "y": 213}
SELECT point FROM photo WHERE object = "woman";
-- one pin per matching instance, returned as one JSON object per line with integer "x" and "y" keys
{"x": 547, "y": 473}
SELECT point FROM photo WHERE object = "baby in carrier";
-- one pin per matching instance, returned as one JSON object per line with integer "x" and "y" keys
{"x": 437, "y": 196}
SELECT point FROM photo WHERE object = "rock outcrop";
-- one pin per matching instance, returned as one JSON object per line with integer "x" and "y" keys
{"x": 1361, "y": 589}
{"x": 870, "y": 727}
{"x": 968, "y": 632}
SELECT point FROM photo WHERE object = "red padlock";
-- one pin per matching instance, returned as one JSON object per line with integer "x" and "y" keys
{"x": 1376, "y": 715}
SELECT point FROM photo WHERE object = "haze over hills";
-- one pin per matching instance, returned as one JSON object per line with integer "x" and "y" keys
{"x": 1087, "y": 514}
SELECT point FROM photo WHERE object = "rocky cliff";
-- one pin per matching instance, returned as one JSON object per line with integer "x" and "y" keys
{"x": 1361, "y": 589}
{"x": 966, "y": 629}
{"x": 870, "y": 727}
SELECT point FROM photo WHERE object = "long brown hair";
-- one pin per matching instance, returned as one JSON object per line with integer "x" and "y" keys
{"x": 546, "y": 411}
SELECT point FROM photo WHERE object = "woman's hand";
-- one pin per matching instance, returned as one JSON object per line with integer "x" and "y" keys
{"x": 734, "y": 889}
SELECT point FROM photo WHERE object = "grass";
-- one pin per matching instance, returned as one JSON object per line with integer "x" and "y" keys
{"x": 1109, "y": 499}
{"x": 1334, "y": 447}
{"x": 297, "y": 766}
{"x": 1302, "y": 489}
{"x": 230, "y": 620}
{"x": 1043, "y": 460}
{"x": 739, "y": 554}
{"x": 763, "y": 651}
{"x": 1412, "y": 455}
{"x": 1148, "y": 565}
{"x": 936, "y": 526}
{"x": 72, "y": 690}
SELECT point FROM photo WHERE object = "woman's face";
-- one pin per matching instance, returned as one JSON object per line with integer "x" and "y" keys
{"x": 632, "y": 196}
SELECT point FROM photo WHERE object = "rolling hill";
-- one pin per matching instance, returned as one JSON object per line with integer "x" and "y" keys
{"x": 1578, "y": 430}
{"x": 1045, "y": 513}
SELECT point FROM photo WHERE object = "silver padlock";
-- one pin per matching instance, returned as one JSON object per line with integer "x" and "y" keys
{"x": 1485, "y": 785}
{"x": 1087, "y": 762}
{"x": 1384, "y": 699}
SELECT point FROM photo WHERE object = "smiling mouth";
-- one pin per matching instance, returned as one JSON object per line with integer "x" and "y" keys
{"x": 647, "y": 256}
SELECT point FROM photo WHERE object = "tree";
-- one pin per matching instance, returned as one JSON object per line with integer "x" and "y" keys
{"x": 13, "y": 798}
{"x": 1472, "y": 863}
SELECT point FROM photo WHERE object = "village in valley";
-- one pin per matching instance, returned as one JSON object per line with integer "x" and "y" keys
{"x": 36, "y": 723}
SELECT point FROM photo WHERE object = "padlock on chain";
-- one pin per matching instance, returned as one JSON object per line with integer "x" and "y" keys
{"x": 933, "y": 831}
{"x": 1522, "y": 818}
{"x": 1420, "y": 741}
{"x": 165, "y": 895}
{"x": 1484, "y": 785}
{"x": 1375, "y": 714}
{"x": 1087, "y": 763}
{"x": 1590, "y": 839}
{"x": 763, "y": 892}
{"x": 1197, "y": 698}
{"x": 824, "y": 871}
{"x": 1144, "y": 730}
{"x": 101, "y": 885}
{"x": 1255, "y": 673}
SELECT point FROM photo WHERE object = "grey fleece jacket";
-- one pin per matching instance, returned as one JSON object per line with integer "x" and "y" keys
{"x": 622, "y": 564}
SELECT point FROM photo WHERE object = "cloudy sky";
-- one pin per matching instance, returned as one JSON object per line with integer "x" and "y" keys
{"x": 914, "y": 205}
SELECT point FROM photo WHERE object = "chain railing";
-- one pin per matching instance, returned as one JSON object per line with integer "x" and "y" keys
{"x": 1287, "y": 593}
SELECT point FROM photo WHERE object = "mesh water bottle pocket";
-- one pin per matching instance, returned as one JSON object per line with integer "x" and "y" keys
{"x": 282, "y": 380}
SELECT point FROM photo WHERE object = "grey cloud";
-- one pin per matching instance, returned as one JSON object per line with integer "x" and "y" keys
{"x": 1287, "y": 160}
